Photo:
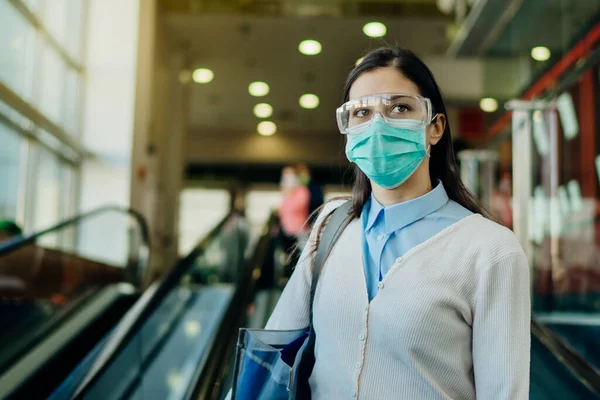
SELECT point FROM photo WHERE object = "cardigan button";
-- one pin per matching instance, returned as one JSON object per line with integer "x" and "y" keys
{"x": 361, "y": 337}
{"x": 380, "y": 285}
{"x": 357, "y": 365}
{"x": 380, "y": 237}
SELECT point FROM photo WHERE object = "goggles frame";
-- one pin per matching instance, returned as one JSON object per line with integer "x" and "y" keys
{"x": 341, "y": 111}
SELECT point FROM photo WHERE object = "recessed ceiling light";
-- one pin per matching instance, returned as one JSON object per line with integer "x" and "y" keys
{"x": 488, "y": 104}
{"x": 310, "y": 47}
{"x": 374, "y": 29}
{"x": 267, "y": 128}
{"x": 263, "y": 110}
{"x": 359, "y": 61}
{"x": 540, "y": 53}
{"x": 258, "y": 89}
{"x": 309, "y": 101}
{"x": 203, "y": 75}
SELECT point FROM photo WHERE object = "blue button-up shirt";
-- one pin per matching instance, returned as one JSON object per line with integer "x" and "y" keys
{"x": 390, "y": 232}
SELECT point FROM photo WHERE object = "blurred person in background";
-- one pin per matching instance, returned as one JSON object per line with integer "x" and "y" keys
{"x": 8, "y": 230}
{"x": 9, "y": 283}
{"x": 316, "y": 191}
{"x": 422, "y": 296}
{"x": 293, "y": 213}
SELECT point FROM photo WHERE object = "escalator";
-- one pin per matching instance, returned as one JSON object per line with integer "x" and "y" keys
{"x": 195, "y": 357}
{"x": 170, "y": 337}
{"x": 61, "y": 291}
{"x": 178, "y": 339}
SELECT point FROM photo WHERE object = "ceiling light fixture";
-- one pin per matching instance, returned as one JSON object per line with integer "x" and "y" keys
{"x": 375, "y": 29}
{"x": 540, "y": 53}
{"x": 258, "y": 89}
{"x": 203, "y": 75}
{"x": 263, "y": 110}
{"x": 309, "y": 101}
{"x": 359, "y": 61}
{"x": 266, "y": 128}
{"x": 488, "y": 104}
{"x": 310, "y": 47}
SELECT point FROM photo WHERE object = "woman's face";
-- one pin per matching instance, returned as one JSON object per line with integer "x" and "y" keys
{"x": 390, "y": 80}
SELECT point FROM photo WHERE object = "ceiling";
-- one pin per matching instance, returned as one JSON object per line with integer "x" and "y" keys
{"x": 305, "y": 8}
{"x": 551, "y": 23}
{"x": 257, "y": 40}
{"x": 243, "y": 49}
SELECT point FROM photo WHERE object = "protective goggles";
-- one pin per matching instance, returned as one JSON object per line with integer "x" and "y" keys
{"x": 356, "y": 115}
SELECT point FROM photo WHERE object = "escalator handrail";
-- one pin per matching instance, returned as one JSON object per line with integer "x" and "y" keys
{"x": 20, "y": 241}
{"x": 144, "y": 307}
{"x": 143, "y": 249}
{"x": 582, "y": 369}
{"x": 208, "y": 375}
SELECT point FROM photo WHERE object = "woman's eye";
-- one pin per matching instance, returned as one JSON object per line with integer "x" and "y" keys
{"x": 361, "y": 113}
{"x": 400, "y": 108}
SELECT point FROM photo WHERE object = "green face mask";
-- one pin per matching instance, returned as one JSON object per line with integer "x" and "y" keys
{"x": 304, "y": 179}
{"x": 389, "y": 155}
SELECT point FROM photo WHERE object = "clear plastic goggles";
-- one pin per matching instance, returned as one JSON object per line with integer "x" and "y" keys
{"x": 355, "y": 116}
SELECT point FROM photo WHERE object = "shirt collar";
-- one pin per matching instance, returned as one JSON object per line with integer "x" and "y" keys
{"x": 399, "y": 215}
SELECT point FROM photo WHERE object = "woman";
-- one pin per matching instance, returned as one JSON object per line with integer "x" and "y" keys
{"x": 293, "y": 213}
{"x": 422, "y": 297}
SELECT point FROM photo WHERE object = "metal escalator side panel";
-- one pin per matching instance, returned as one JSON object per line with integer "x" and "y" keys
{"x": 556, "y": 368}
{"x": 37, "y": 373}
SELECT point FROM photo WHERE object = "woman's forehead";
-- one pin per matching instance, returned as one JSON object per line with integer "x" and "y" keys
{"x": 382, "y": 80}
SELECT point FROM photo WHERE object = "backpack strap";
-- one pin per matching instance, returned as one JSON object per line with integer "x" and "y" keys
{"x": 340, "y": 218}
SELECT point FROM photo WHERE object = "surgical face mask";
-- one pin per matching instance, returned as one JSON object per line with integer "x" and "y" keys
{"x": 389, "y": 154}
{"x": 303, "y": 179}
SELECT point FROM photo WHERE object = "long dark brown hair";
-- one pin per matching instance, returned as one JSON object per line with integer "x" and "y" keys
{"x": 442, "y": 164}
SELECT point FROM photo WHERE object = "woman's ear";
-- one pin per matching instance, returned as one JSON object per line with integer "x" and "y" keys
{"x": 437, "y": 129}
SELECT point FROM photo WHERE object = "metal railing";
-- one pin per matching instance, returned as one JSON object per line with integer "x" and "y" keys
{"x": 135, "y": 270}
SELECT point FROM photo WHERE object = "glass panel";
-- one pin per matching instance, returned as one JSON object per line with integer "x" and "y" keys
{"x": 55, "y": 18}
{"x": 62, "y": 18}
{"x": 17, "y": 47}
{"x": 53, "y": 84}
{"x": 47, "y": 194}
{"x": 33, "y": 5}
{"x": 563, "y": 227}
{"x": 10, "y": 172}
{"x": 551, "y": 379}
{"x": 72, "y": 110}
{"x": 39, "y": 285}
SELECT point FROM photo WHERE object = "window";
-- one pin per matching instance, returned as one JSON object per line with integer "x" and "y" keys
{"x": 10, "y": 172}
{"x": 17, "y": 46}
{"x": 47, "y": 192}
{"x": 63, "y": 19}
{"x": 52, "y": 84}
{"x": 37, "y": 184}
